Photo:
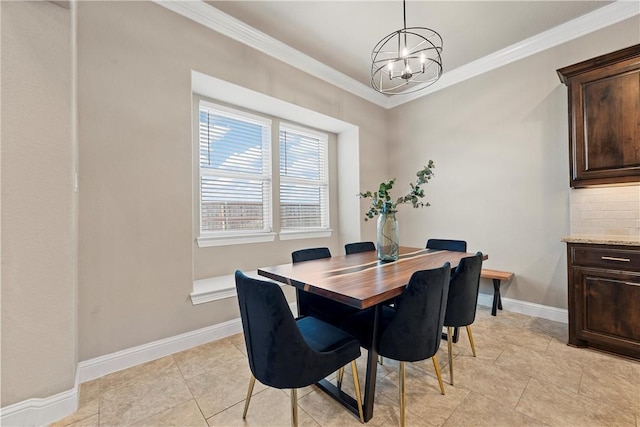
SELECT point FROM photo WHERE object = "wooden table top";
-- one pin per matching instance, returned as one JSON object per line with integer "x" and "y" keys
{"x": 360, "y": 280}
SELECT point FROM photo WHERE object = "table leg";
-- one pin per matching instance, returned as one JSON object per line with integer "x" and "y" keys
{"x": 370, "y": 378}
{"x": 372, "y": 368}
{"x": 300, "y": 308}
{"x": 454, "y": 338}
{"x": 497, "y": 301}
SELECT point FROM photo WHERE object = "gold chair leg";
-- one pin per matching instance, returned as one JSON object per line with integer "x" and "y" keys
{"x": 339, "y": 377}
{"x": 473, "y": 347}
{"x": 252, "y": 382}
{"x": 436, "y": 365}
{"x": 294, "y": 407}
{"x": 401, "y": 387}
{"x": 449, "y": 341}
{"x": 356, "y": 385}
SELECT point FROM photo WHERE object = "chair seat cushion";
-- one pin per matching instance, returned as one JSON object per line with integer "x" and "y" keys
{"x": 323, "y": 337}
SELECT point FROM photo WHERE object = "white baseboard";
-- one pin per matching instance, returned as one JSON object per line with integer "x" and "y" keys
{"x": 528, "y": 308}
{"x": 109, "y": 363}
{"x": 40, "y": 412}
{"x": 95, "y": 368}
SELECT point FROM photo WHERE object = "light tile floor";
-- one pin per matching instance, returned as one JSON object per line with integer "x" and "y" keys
{"x": 524, "y": 375}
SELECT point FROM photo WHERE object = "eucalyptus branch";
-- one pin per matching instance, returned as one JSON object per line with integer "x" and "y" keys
{"x": 381, "y": 201}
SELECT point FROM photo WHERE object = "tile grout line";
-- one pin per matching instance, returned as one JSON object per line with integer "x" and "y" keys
{"x": 515, "y": 408}
{"x": 581, "y": 378}
{"x": 524, "y": 390}
{"x": 189, "y": 387}
{"x": 458, "y": 406}
{"x": 550, "y": 332}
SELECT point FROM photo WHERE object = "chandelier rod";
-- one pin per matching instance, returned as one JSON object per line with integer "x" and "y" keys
{"x": 404, "y": 12}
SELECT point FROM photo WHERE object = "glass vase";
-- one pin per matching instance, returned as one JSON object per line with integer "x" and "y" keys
{"x": 388, "y": 236}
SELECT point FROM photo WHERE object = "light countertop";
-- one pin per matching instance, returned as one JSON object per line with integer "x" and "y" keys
{"x": 602, "y": 239}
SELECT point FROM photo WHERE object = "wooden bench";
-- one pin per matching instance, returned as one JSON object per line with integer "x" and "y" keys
{"x": 498, "y": 277}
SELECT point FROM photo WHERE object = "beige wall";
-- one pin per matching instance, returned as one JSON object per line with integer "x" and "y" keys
{"x": 38, "y": 225}
{"x": 137, "y": 252}
{"x": 500, "y": 143}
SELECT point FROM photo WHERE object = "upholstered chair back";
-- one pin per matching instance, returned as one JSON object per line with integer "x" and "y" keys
{"x": 463, "y": 292}
{"x": 415, "y": 330}
{"x": 447, "y": 245}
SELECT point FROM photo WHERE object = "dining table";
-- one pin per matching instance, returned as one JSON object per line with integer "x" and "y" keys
{"x": 362, "y": 281}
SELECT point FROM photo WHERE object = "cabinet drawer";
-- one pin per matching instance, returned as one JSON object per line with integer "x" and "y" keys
{"x": 614, "y": 259}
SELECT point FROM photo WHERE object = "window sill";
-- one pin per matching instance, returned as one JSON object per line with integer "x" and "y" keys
{"x": 304, "y": 234}
{"x": 234, "y": 239}
{"x": 219, "y": 288}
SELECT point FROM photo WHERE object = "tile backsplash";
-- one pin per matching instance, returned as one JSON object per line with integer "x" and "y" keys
{"x": 605, "y": 210}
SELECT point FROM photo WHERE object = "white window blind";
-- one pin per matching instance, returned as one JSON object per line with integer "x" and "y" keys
{"x": 304, "y": 182}
{"x": 235, "y": 171}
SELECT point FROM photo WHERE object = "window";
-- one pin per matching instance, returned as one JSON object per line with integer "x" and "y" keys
{"x": 235, "y": 186}
{"x": 235, "y": 176}
{"x": 304, "y": 181}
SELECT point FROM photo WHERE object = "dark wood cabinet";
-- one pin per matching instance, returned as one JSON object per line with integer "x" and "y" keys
{"x": 604, "y": 118}
{"x": 604, "y": 297}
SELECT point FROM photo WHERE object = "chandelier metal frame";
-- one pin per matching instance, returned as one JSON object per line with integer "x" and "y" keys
{"x": 407, "y": 60}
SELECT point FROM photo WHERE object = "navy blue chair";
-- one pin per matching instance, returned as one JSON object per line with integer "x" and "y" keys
{"x": 447, "y": 245}
{"x": 310, "y": 254}
{"x": 463, "y": 300}
{"x": 316, "y": 305}
{"x": 357, "y": 247}
{"x": 287, "y": 353}
{"x": 412, "y": 330}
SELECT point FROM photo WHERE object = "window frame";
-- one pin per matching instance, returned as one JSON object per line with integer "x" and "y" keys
{"x": 324, "y": 183}
{"x": 222, "y": 238}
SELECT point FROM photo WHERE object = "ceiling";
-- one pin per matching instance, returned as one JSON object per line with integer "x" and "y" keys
{"x": 332, "y": 40}
{"x": 341, "y": 34}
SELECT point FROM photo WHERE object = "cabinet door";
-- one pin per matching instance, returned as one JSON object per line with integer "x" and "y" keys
{"x": 604, "y": 118}
{"x": 607, "y": 128}
{"x": 608, "y": 309}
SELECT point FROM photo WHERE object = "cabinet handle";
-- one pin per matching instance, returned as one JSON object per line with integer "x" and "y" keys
{"x": 611, "y": 258}
{"x": 632, "y": 284}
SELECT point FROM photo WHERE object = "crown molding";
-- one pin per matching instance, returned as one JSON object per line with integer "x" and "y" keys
{"x": 227, "y": 25}
{"x": 578, "y": 27}
{"x": 207, "y": 15}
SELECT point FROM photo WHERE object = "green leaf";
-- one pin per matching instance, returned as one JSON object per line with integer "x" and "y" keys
{"x": 381, "y": 200}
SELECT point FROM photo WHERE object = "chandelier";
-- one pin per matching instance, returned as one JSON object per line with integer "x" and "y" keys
{"x": 406, "y": 60}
